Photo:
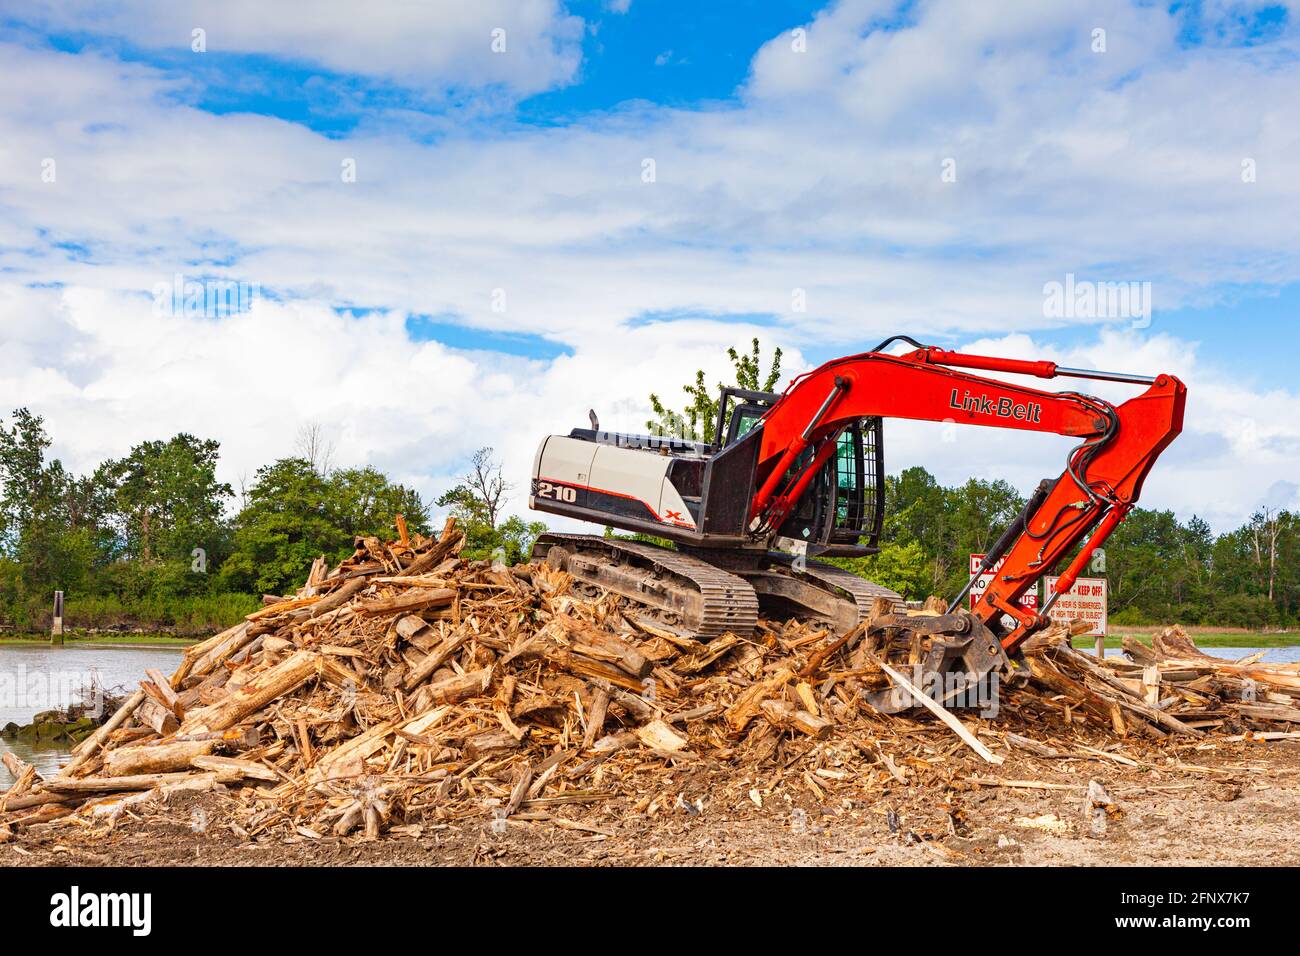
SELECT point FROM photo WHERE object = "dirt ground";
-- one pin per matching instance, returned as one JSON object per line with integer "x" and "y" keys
{"x": 1226, "y": 803}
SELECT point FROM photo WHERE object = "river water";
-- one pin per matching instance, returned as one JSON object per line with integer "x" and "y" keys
{"x": 35, "y": 677}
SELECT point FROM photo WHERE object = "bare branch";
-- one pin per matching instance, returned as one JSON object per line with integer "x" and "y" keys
{"x": 313, "y": 446}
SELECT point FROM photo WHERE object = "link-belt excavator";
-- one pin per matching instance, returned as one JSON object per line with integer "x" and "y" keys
{"x": 800, "y": 474}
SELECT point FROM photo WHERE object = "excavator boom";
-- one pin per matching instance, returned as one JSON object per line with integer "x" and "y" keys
{"x": 1100, "y": 484}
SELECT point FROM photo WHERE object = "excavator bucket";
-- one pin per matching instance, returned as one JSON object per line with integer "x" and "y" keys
{"x": 952, "y": 658}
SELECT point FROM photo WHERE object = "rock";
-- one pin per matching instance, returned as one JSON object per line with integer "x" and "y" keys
{"x": 50, "y": 730}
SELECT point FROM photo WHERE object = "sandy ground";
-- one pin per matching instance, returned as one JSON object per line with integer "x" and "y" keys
{"x": 1238, "y": 808}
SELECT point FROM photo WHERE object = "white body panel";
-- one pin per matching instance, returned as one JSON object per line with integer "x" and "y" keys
{"x": 637, "y": 477}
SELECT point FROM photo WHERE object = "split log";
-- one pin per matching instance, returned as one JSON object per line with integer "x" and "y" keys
{"x": 520, "y": 790}
{"x": 132, "y": 761}
{"x": 335, "y": 599}
{"x": 461, "y": 687}
{"x": 448, "y": 541}
{"x": 786, "y": 716}
{"x": 159, "y": 689}
{"x": 156, "y": 717}
{"x": 1276, "y": 712}
{"x": 280, "y": 607}
{"x": 488, "y": 743}
{"x": 197, "y": 651}
{"x": 235, "y": 639}
{"x": 601, "y": 645}
{"x": 42, "y": 814}
{"x": 658, "y": 735}
{"x": 418, "y": 599}
{"x": 117, "y": 784}
{"x": 29, "y": 800}
{"x": 565, "y": 659}
{"x": 435, "y": 658}
{"x": 283, "y": 678}
{"x": 352, "y": 752}
{"x": 749, "y": 704}
{"x": 596, "y": 716}
{"x": 409, "y": 626}
{"x": 24, "y": 773}
{"x": 233, "y": 765}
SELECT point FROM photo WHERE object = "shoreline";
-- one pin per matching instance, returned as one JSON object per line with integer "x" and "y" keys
{"x": 106, "y": 641}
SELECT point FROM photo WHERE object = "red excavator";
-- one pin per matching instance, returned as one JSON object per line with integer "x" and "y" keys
{"x": 800, "y": 475}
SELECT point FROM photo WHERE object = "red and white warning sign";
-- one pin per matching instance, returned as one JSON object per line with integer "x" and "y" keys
{"x": 1028, "y": 600}
{"x": 1086, "y": 601}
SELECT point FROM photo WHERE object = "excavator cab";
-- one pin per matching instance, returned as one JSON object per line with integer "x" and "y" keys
{"x": 843, "y": 515}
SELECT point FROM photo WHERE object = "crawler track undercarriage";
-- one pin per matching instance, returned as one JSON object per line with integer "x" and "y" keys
{"x": 713, "y": 592}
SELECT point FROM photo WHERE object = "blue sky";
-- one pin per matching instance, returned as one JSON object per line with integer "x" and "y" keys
{"x": 625, "y": 189}
{"x": 670, "y": 54}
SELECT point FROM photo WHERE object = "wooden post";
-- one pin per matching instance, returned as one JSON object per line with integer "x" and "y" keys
{"x": 1101, "y": 646}
{"x": 56, "y": 629}
{"x": 1151, "y": 684}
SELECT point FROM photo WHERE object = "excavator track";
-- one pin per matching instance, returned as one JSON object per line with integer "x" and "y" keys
{"x": 862, "y": 591}
{"x": 830, "y": 593}
{"x": 709, "y": 601}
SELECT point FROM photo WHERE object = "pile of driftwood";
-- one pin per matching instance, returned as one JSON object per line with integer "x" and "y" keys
{"x": 1171, "y": 687}
{"x": 409, "y": 687}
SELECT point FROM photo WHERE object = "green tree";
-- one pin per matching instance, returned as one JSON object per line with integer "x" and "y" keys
{"x": 697, "y": 421}
{"x": 365, "y": 502}
{"x": 903, "y": 567}
{"x": 52, "y": 525}
{"x": 478, "y": 503}
{"x": 27, "y": 484}
{"x": 295, "y": 514}
{"x": 167, "y": 498}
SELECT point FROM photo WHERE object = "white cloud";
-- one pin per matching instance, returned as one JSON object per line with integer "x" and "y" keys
{"x": 430, "y": 43}
{"x": 825, "y": 178}
{"x": 106, "y": 370}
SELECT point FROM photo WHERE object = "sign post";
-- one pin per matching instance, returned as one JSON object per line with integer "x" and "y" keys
{"x": 1086, "y": 601}
{"x": 56, "y": 629}
{"x": 1098, "y": 566}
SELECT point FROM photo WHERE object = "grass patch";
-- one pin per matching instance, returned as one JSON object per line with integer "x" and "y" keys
{"x": 1204, "y": 637}
{"x": 177, "y": 615}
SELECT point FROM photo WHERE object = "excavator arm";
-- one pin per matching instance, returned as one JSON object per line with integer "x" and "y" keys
{"x": 1100, "y": 484}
